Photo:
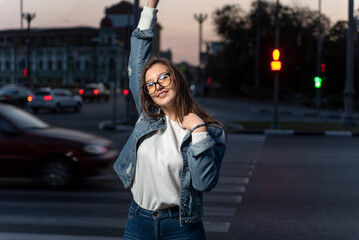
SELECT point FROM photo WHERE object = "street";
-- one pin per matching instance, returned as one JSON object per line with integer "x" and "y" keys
{"x": 271, "y": 187}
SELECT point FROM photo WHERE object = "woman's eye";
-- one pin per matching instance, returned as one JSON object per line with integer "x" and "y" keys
{"x": 150, "y": 84}
{"x": 163, "y": 77}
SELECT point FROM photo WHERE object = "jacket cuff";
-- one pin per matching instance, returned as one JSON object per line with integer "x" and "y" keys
{"x": 202, "y": 145}
{"x": 148, "y": 18}
{"x": 198, "y": 136}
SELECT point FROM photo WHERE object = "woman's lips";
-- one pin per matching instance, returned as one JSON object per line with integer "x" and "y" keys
{"x": 162, "y": 94}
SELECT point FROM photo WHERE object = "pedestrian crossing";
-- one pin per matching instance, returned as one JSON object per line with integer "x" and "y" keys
{"x": 96, "y": 213}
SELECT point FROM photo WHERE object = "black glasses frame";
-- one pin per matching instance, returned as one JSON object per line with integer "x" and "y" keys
{"x": 144, "y": 87}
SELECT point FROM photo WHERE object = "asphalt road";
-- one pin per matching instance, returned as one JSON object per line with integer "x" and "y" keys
{"x": 271, "y": 187}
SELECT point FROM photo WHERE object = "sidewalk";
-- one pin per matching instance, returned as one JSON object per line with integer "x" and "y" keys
{"x": 229, "y": 111}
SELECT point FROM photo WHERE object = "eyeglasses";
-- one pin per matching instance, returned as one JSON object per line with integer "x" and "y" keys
{"x": 164, "y": 81}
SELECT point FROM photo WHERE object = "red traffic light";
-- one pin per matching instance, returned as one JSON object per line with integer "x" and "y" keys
{"x": 322, "y": 67}
{"x": 126, "y": 91}
{"x": 25, "y": 72}
{"x": 276, "y": 63}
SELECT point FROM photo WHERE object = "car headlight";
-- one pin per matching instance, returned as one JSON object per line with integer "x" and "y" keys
{"x": 95, "y": 149}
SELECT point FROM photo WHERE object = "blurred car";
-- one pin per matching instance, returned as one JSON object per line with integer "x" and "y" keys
{"x": 31, "y": 148}
{"x": 95, "y": 92}
{"x": 14, "y": 94}
{"x": 54, "y": 100}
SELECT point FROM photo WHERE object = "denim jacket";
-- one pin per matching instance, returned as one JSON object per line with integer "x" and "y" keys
{"x": 201, "y": 161}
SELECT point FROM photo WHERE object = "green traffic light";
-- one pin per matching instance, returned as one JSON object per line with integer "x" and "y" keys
{"x": 317, "y": 82}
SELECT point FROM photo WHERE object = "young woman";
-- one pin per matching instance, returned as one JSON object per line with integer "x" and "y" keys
{"x": 175, "y": 150}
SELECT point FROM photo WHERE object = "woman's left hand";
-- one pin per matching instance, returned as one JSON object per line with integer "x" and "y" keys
{"x": 191, "y": 120}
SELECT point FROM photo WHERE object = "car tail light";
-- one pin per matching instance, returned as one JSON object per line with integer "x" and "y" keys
{"x": 47, "y": 98}
{"x": 9, "y": 97}
{"x": 81, "y": 91}
{"x": 95, "y": 91}
{"x": 29, "y": 98}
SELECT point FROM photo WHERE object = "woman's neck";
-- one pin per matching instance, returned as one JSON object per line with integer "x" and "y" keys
{"x": 171, "y": 113}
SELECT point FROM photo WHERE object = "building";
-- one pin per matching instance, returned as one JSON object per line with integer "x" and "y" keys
{"x": 60, "y": 55}
{"x": 71, "y": 56}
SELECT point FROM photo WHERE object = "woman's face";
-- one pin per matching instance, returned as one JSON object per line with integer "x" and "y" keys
{"x": 164, "y": 95}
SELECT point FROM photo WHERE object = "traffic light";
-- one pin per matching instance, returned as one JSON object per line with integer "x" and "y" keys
{"x": 322, "y": 68}
{"x": 276, "y": 63}
{"x": 25, "y": 73}
{"x": 318, "y": 82}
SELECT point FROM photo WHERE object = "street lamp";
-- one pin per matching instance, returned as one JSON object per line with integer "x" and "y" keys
{"x": 200, "y": 18}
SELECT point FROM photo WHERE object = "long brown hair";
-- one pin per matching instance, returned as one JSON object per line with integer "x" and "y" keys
{"x": 184, "y": 103}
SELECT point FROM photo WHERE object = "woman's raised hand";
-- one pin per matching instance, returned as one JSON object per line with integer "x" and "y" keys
{"x": 152, "y": 3}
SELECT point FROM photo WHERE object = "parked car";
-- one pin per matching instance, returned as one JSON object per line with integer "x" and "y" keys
{"x": 95, "y": 92}
{"x": 31, "y": 148}
{"x": 54, "y": 100}
{"x": 14, "y": 94}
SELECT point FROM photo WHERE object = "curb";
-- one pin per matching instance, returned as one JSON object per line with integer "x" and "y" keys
{"x": 308, "y": 114}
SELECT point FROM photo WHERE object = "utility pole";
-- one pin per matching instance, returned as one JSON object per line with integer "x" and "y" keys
{"x": 200, "y": 18}
{"x": 319, "y": 60}
{"x": 256, "y": 74}
{"x": 276, "y": 74}
{"x": 348, "y": 118}
{"x": 21, "y": 14}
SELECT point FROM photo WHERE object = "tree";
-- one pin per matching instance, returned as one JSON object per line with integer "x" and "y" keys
{"x": 234, "y": 67}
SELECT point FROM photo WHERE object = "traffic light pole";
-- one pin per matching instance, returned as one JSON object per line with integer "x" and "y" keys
{"x": 319, "y": 60}
{"x": 348, "y": 117}
{"x": 276, "y": 74}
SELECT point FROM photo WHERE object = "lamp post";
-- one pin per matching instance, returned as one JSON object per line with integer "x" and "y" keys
{"x": 200, "y": 18}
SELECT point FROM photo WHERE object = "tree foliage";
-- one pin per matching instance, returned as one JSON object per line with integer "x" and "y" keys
{"x": 234, "y": 67}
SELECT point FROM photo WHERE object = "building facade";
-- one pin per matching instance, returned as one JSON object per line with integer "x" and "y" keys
{"x": 72, "y": 56}
{"x": 60, "y": 56}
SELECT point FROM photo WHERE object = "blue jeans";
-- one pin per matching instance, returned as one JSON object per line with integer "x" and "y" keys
{"x": 160, "y": 225}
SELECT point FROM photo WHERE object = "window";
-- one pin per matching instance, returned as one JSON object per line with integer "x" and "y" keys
{"x": 59, "y": 65}
{"x": 49, "y": 65}
{"x": 41, "y": 65}
{"x": 112, "y": 64}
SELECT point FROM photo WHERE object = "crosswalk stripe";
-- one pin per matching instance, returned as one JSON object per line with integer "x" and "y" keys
{"x": 64, "y": 221}
{"x": 222, "y": 199}
{"x": 34, "y": 236}
{"x": 99, "y": 207}
{"x": 230, "y": 188}
{"x": 219, "y": 211}
{"x": 216, "y": 226}
{"x": 234, "y": 180}
{"x": 37, "y": 193}
{"x": 87, "y": 222}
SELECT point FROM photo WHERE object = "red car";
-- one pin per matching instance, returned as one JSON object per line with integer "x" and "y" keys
{"x": 31, "y": 148}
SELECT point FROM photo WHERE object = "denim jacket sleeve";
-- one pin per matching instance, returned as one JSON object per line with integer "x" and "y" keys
{"x": 206, "y": 158}
{"x": 141, "y": 46}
